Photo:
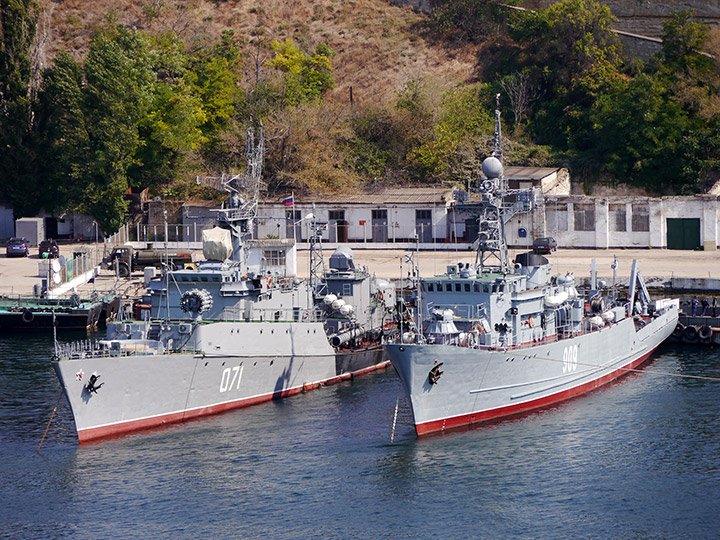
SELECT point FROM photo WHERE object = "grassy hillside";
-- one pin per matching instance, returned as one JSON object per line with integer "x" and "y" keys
{"x": 378, "y": 46}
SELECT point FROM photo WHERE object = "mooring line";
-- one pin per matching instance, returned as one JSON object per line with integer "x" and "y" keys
{"x": 57, "y": 403}
{"x": 392, "y": 434}
{"x": 637, "y": 370}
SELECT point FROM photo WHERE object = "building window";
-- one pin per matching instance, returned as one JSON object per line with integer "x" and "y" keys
{"x": 640, "y": 217}
{"x": 617, "y": 215}
{"x": 584, "y": 217}
{"x": 336, "y": 215}
{"x": 556, "y": 217}
{"x": 274, "y": 257}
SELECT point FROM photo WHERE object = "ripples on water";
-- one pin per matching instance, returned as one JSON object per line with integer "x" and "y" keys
{"x": 638, "y": 459}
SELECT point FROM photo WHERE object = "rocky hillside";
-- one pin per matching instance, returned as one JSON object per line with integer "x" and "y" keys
{"x": 379, "y": 46}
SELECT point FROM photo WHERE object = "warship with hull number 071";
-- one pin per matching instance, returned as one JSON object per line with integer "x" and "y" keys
{"x": 493, "y": 339}
{"x": 225, "y": 335}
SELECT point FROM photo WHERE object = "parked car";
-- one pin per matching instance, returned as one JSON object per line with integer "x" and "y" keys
{"x": 544, "y": 245}
{"x": 48, "y": 249}
{"x": 17, "y": 247}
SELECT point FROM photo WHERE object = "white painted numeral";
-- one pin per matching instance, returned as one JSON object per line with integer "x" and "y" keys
{"x": 229, "y": 376}
{"x": 570, "y": 359}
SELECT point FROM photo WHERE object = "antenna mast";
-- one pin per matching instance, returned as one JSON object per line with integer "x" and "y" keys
{"x": 239, "y": 210}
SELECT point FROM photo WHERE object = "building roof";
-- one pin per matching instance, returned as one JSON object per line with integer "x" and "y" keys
{"x": 410, "y": 195}
{"x": 380, "y": 196}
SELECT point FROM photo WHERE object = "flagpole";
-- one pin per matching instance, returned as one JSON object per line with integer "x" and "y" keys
{"x": 294, "y": 225}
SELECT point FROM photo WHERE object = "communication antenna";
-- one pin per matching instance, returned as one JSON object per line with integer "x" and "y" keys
{"x": 240, "y": 209}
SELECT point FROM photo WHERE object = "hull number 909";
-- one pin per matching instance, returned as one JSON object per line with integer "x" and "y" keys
{"x": 570, "y": 359}
{"x": 231, "y": 378}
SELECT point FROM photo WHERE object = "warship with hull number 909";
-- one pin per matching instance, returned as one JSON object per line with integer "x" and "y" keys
{"x": 493, "y": 339}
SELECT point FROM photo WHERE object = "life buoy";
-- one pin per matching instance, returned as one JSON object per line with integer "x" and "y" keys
{"x": 28, "y": 316}
{"x": 269, "y": 282}
{"x": 477, "y": 328}
{"x": 530, "y": 322}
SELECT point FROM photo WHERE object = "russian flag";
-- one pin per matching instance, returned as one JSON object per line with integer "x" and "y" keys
{"x": 290, "y": 201}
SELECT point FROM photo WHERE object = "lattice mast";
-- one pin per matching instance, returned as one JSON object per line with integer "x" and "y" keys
{"x": 317, "y": 261}
{"x": 239, "y": 210}
{"x": 490, "y": 243}
{"x": 498, "y": 206}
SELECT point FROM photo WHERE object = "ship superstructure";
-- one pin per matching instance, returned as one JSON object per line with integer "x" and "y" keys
{"x": 496, "y": 337}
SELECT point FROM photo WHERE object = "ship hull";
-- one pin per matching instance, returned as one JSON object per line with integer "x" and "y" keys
{"x": 477, "y": 385}
{"x": 145, "y": 391}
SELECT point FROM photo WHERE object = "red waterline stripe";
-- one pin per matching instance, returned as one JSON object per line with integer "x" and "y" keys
{"x": 110, "y": 430}
{"x": 435, "y": 426}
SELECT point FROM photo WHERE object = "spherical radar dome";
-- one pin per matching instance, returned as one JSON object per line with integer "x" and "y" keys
{"x": 492, "y": 168}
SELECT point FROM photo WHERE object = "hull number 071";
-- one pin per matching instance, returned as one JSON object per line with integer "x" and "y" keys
{"x": 231, "y": 378}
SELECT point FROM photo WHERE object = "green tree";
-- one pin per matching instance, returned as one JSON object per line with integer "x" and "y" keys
{"x": 214, "y": 79}
{"x": 568, "y": 38}
{"x": 462, "y": 116}
{"x": 682, "y": 44}
{"x": 171, "y": 131}
{"x": 641, "y": 133}
{"x": 306, "y": 77}
{"x": 469, "y": 20}
{"x": 63, "y": 128}
{"x": 19, "y": 163}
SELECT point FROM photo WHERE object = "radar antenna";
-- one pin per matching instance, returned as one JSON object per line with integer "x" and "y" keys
{"x": 498, "y": 205}
{"x": 239, "y": 210}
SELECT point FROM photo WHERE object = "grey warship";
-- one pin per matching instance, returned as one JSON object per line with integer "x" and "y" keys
{"x": 227, "y": 334}
{"x": 493, "y": 339}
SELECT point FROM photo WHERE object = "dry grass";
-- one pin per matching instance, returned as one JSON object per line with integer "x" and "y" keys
{"x": 378, "y": 50}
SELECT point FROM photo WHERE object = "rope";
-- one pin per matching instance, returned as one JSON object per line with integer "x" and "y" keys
{"x": 392, "y": 434}
{"x": 48, "y": 424}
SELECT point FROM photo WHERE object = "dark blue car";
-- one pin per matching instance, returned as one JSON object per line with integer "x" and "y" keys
{"x": 17, "y": 247}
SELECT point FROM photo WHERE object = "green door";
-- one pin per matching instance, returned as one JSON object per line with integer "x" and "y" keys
{"x": 683, "y": 233}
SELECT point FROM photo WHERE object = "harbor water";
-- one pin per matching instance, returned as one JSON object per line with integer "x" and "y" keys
{"x": 637, "y": 459}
